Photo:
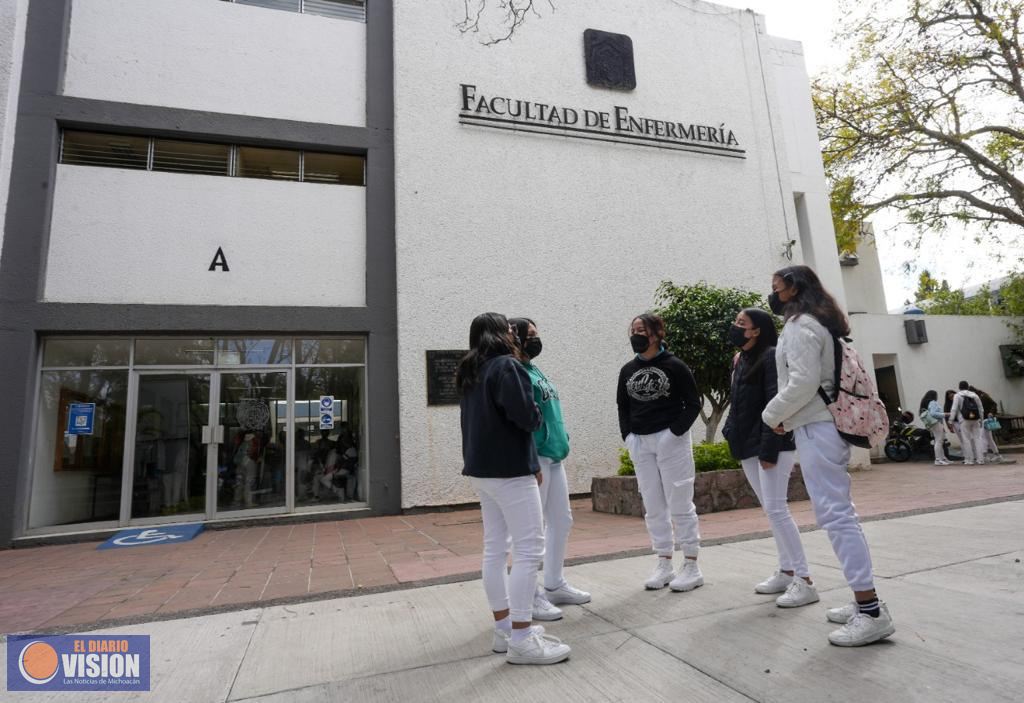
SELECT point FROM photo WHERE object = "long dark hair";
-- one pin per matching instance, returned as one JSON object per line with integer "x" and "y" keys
{"x": 950, "y": 394}
{"x": 653, "y": 324}
{"x": 522, "y": 326}
{"x": 812, "y": 299}
{"x": 767, "y": 339}
{"x": 488, "y": 337}
{"x": 927, "y": 398}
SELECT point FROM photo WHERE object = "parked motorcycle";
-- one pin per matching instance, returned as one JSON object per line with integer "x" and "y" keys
{"x": 906, "y": 441}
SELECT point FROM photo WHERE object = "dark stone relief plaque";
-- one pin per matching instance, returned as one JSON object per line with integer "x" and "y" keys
{"x": 441, "y": 367}
{"x": 609, "y": 60}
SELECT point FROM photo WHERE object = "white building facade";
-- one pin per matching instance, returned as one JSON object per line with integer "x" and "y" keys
{"x": 234, "y": 294}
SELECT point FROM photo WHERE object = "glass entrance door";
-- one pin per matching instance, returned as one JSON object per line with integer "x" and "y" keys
{"x": 252, "y": 457}
{"x": 170, "y": 457}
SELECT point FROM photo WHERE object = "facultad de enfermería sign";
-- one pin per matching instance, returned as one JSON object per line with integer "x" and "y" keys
{"x": 617, "y": 124}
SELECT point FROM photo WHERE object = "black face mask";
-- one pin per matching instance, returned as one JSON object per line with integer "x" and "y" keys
{"x": 532, "y": 346}
{"x": 640, "y": 343}
{"x": 776, "y": 305}
{"x": 737, "y": 336}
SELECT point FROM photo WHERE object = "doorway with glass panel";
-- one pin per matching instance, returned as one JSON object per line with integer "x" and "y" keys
{"x": 209, "y": 444}
{"x": 241, "y": 433}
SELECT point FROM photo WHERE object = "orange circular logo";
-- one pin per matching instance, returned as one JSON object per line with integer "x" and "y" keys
{"x": 38, "y": 662}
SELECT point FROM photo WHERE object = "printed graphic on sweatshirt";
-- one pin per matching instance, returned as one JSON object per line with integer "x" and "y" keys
{"x": 547, "y": 390}
{"x": 649, "y": 383}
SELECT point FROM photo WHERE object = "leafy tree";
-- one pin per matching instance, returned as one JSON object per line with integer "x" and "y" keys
{"x": 944, "y": 301}
{"x": 848, "y": 213}
{"x": 928, "y": 116}
{"x": 926, "y": 286}
{"x": 697, "y": 318}
{"x": 938, "y": 299}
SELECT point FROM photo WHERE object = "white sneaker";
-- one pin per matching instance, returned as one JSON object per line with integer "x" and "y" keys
{"x": 661, "y": 576}
{"x": 499, "y": 641}
{"x": 968, "y": 463}
{"x": 537, "y": 649}
{"x": 688, "y": 578}
{"x": 863, "y": 629}
{"x": 566, "y": 595}
{"x": 776, "y": 583}
{"x": 799, "y": 593}
{"x": 941, "y": 462}
{"x": 842, "y": 614}
{"x": 542, "y": 609}
{"x": 980, "y": 463}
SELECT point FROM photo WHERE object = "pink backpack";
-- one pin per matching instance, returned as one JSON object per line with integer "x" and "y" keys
{"x": 859, "y": 415}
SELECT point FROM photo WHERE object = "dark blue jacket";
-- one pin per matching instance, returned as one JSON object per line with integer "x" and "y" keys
{"x": 752, "y": 388}
{"x": 498, "y": 421}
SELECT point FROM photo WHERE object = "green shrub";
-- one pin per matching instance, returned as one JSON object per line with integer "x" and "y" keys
{"x": 713, "y": 457}
{"x": 706, "y": 457}
{"x": 625, "y": 463}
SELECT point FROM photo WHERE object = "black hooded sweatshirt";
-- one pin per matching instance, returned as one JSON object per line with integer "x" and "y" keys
{"x": 656, "y": 394}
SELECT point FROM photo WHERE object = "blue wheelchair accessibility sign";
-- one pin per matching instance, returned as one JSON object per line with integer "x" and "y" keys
{"x": 81, "y": 417}
{"x": 152, "y": 535}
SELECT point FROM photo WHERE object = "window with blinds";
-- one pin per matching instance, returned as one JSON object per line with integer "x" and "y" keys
{"x": 191, "y": 157}
{"x": 340, "y": 9}
{"x": 81, "y": 148}
{"x": 96, "y": 149}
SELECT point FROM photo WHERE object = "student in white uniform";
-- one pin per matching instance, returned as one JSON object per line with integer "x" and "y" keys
{"x": 767, "y": 458}
{"x": 498, "y": 418}
{"x": 967, "y": 410}
{"x": 658, "y": 403}
{"x": 805, "y": 363}
{"x": 934, "y": 421}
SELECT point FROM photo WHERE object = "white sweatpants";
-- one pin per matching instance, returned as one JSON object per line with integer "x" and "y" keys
{"x": 554, "y": 499}
{"x": 938, "y": 431}
{"x": 990, "y": 442}
{"x": 973, "y": 439}
{"x": 510, "y": 507}
{"x": 664, "y": 473}
{"x": 824, "y": 457}
{"x": 772, "y": 489}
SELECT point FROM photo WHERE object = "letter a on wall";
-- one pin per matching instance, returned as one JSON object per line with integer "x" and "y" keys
{"x": 219, "y": 260}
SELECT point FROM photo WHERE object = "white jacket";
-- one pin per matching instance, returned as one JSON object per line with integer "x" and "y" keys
{"x": 958, "y": 401}
{"x": 805, "y": 360}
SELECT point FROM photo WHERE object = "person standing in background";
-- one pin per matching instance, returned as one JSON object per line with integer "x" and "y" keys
{"x": 967, "y": 410}
{"x": 552, "y": 443}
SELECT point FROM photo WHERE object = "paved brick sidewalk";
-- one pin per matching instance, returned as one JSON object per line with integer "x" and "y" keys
{"x": 75, "y": 585}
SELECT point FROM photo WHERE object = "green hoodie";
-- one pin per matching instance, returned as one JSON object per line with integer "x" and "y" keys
{"x": 551, "y": 439}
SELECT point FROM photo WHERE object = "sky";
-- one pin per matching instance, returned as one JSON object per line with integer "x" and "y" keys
{"x": 954, "y": 255}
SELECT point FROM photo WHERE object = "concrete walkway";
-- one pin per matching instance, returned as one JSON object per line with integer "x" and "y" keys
{"x": 70, "y": 586}
{"x": 953, "y": 580}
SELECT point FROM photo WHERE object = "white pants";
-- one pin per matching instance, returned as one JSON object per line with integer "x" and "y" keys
{"x": 990, "y": 442}
{"x": 938, "y": 431}
{"x": 824, "y": 456}
{"x": 664, "y": 474}
{"x": 772, "y": 489}
{"x": 973, "y": 439}
{"x": 554, "y": 499}
{"x": 510, "y": 507}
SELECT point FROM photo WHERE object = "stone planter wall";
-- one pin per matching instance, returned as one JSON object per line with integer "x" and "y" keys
{"x": 714, "y": 491}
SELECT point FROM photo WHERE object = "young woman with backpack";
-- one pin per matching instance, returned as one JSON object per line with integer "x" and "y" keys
{"x": 498, "y": 418}
{"x": 934, "y": 420}
{"x": 767, "y": 458}
{"x": 805, "y": 362}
